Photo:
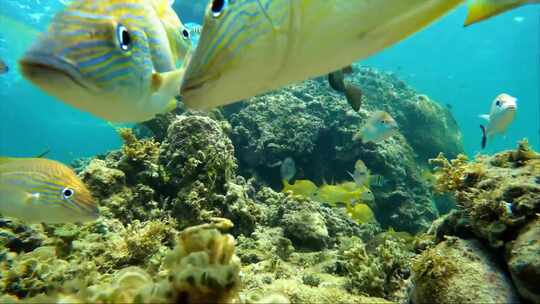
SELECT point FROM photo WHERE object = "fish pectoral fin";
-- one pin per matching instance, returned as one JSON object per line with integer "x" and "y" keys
{"x": 167, "y": 83}
{"x": 165, "y": 87}
{"x": 484, "y": 116}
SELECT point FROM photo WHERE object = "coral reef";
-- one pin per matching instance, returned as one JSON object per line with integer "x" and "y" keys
{"x": 315, "y": 126}
{"x": 499, "y": 202}
{"x": 168, "y": 204}
{"x": 379, "y": 270}
{"x": 460, "y": 271}
{"x": 498, "y": 194}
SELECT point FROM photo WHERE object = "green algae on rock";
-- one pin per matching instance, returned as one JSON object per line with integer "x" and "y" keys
{"x": 460, "y": 271}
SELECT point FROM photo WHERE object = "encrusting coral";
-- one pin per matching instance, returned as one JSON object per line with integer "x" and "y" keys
{"x": 498, "y": 194}
{"x": 498, "y": 200}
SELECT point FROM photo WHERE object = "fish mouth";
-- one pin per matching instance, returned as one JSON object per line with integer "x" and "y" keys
{"x": 511, "y": 108}
{"x": 38, "y": 67}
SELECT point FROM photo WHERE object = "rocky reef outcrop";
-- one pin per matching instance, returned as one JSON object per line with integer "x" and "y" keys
{"x": 187, "y": 216}
{"x": 499, "y": 204}
{"x": 151, "y": 190}
{"x": 315, "y": 126}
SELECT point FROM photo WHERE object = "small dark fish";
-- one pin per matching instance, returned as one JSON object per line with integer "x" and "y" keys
{"x": 354, "y": 96}
{"x": 3, "y": 67}
{"x": 484, "y": 137}
{"x": 449, "y": 106}
{"x": 337, "y": 81}
{"x": 348, "y": 70}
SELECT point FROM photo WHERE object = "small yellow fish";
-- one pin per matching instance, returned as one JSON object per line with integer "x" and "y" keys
{"x": 361, "y": 213}
{"x": 3, "y": 67}
{"x": 117, "y": 59}
{"x": 250, "y": 47}
{"x": 378, "y": 127}
{"x": 38, "y": 190}
{"x": 483, "y": 9}
{"x": 302, "y": 187}
{"x": 346, "y": 193}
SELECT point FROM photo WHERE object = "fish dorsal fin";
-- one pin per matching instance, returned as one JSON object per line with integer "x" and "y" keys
{"x": 484, "y": 116}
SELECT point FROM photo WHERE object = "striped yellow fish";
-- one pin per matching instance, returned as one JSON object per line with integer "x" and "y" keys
{"x": 483, "y": 9}
{"x": 117, "y": 59}
{"x": 248, "y": 47}
{"x": 38, "y": 190}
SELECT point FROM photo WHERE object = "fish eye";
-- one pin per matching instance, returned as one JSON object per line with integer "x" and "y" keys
{"x": 124, "y": 38}
{"x": 68, "y": 193}
{"x": 498, "y": 103}
{"x": 218, "y": 6}
{"x": 383, "y": 121}
{"x": 185, "y": 34}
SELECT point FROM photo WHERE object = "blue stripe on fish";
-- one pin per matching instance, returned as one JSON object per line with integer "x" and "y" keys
{"x": 83, "y": 46}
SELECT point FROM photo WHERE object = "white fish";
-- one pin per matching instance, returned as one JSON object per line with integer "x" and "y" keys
{"x": 501, "y": 115}
{"x": 361, "y": 173}
{"x": 378, "y": 127}
{"x": 288, "y": 169}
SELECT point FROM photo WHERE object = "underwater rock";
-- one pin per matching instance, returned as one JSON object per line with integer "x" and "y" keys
{"x": 102, "y": 180}
{"x": 196, "y": 149}
{"x": 306, "y": 229}
{"x": 379, "y": 269}
{"x": 17, "y": 237}
{"x": 523, "y": 257}
{"x": 498, "y": 195}
{"x": 428, "y": 126}
{"x": 315, "y": 126}
{"x": 460, "y": 271}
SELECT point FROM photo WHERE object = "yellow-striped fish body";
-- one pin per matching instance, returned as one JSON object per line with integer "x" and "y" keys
{"x": 117, "y": 59}
{"x": 248, "y": 47}
{"x": 483, "y": 9}
{"x": 39, "y": 190}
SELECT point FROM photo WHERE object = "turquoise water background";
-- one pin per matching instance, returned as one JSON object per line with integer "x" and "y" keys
{"x": 461, "y": 67}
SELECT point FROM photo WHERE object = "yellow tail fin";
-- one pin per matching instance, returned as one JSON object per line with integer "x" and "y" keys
{"x": 483, "y": 9}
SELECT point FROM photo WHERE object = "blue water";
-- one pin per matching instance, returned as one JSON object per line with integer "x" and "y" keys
{"x": 463, "y": 67}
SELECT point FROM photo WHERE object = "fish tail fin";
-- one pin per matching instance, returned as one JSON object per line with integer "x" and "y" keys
{"x": 484, "y": 137}
{"x": 354, "y": 96}
{"x": 336, "y": 81}
{"x": 483, "y": 9}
